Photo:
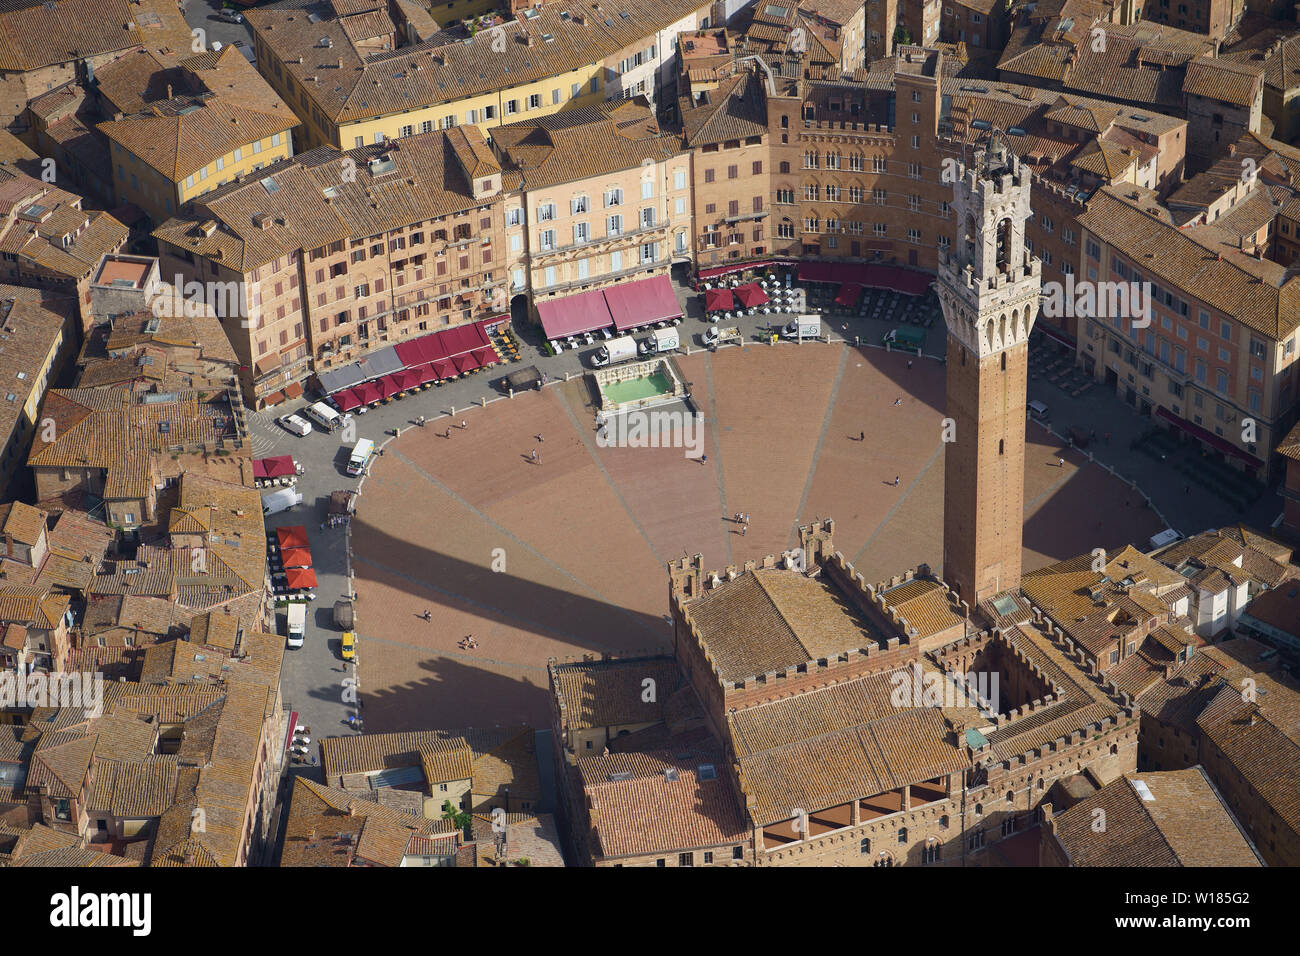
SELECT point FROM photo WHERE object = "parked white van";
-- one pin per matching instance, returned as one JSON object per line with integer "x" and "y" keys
{"x": 324, "y": 416}
{"x": 1037, "y": 411}
{"x": 282, "y": 499}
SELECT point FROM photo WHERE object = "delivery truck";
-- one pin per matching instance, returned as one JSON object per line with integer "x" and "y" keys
{"x": 297, "y": 625}
{"x": 660, "y": 341}
{"x": 714, "y": 336}
{"x": 282, "y": 499}
{"x": 360, "y": 457}
{"x": 614, "y": 351}
{"x": 804, "y": 327}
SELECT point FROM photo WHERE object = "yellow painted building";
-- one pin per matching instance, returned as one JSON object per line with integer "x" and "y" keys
{"x": 215, "y": 121}
{"x": 356, "y": 78}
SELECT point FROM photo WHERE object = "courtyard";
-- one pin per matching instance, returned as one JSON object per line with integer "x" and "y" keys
{"x": 564, "y": 555}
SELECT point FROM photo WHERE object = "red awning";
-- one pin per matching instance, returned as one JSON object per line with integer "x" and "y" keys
{"x": 295, "y": 557}
{"x": 293, "y": 725}
{"x": 426, "y": 373}
{"x": 906, "y": 281}
{"x": 1209, "y": 438}
{"x": 485, "y": 357}
{"x": 750, "y": 295}
{"x": 292, "y": 536}
{"x": 293, "y": 390}
{"x": 445, "y": 368}
{"x": 574, "y": 314}
{"x": 281, "y": 466}
{"x": 848, "y": 294}
{"x": 346, "y": 400}
{"x": 465, "y": 363}
{"x": 298, "y": 578}
{"x": 643, "y": 302}
{"x": 718, "y": 300}
{"x": 734, "y": 267}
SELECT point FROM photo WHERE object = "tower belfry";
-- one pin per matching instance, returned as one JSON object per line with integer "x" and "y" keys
{"x": 989, "y": 291}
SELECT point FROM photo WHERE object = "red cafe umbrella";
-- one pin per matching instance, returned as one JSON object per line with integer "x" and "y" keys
{"x": 295, "y": 558}
{"x": 292, "y": 536}
{"x": 718, "y": 300}
{"x": 751, "y": 295}
{"x": 298, "y": 578}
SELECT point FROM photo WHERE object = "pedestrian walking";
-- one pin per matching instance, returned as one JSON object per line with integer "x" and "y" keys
{"x": 896, "y": 477}
{"x": 743, "y": 529}
{"x": 897, "y": 402}
{"x": 909, "y": 363}
{"x": 539, "y": 436}
{"x": 464, "y": 424}
{"x": 1060, "y": 463}
{"x": 862, "y": 436}
{"x": 427, "y": 615}
{"x": 737, "y": 518}
{"x": 704, "y": 459}
{"x": 745, "y": 518}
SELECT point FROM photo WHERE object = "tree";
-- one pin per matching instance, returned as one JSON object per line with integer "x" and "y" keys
{"x": 458, "y": 818}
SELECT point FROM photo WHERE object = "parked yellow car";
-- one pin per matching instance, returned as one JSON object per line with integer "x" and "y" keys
{"x": 348, "y": 648}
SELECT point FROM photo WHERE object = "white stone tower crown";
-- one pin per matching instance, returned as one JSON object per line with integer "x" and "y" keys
{"x": 988, "y": 283}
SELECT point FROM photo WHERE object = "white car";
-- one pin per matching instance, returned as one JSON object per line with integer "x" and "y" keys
{"x": 226, "y": 15}
{"x": 295, "y": 424}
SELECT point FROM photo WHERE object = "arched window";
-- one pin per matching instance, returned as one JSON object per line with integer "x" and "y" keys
{"x": 1004, "y": 244}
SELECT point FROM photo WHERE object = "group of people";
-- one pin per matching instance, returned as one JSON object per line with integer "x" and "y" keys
{"x": 741, "y": 518}
{"x": 467, "y": 643}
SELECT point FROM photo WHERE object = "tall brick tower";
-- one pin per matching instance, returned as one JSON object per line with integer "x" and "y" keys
{"x": 989, "y": 288}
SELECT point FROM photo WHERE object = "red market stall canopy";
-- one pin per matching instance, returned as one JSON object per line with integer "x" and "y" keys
{"x": 426, "y": 373}
{"x": 281, "y": 466}
{"x": 441, "y": 345}
{"x": 293, "y": 536}
{"x": 298, "y": 578}
{"x": 907, "y": 281}
{"x": 575, "y": 314}
{"x": 296, "y": 558}
{"x": 848, "y": 294}
{"x": 644, "y": 302}
{"x": 486, "y": 357}
{"x": 738, "y": 267}
{"x": 347, "y": 400}
{"x": 465, "y": 363}
{"x": 718, "y": 300}
{"x": 445, "y": 368}
{"x": 368, "y": 393}
{"x": 751, "y": 295}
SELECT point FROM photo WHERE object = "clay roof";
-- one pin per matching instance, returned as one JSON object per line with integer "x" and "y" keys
{"x": 1257, "y": 292}
{"x": 610, "y": 693}
{"x": 37, "y": 33}
{"x": 769, "y": 620}
{"x": 1174, "y": 818}
{"x": 659, "y": 802}
{"x": 438, "y": 71}
{"x": 219, "y": 104}
{"x": 583, "y": 142}
{"x": 735, "y": 110}
{"x": 312, "y": 200}
{"x": 1225, "y": 80}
